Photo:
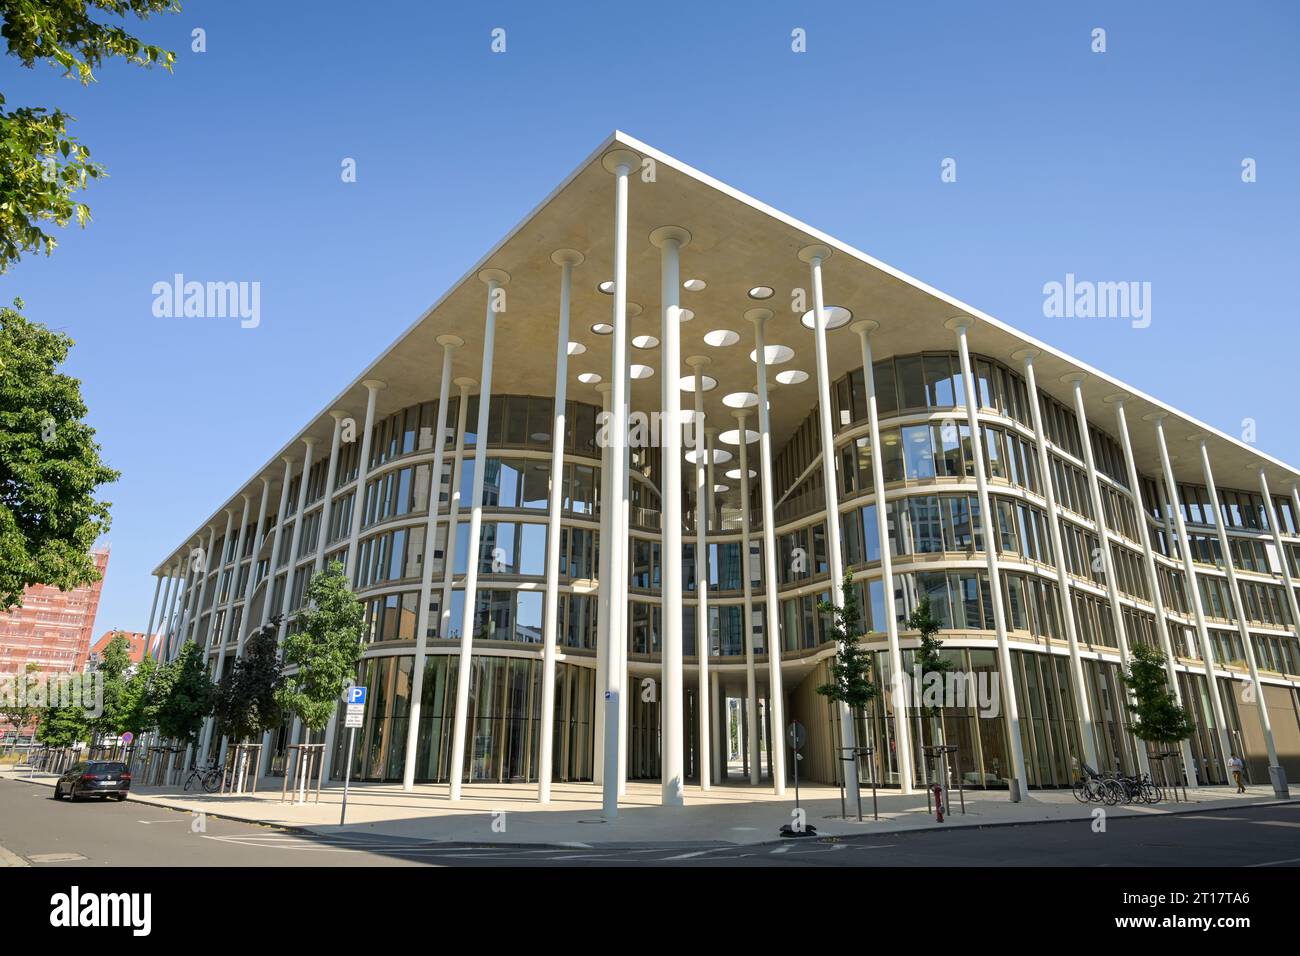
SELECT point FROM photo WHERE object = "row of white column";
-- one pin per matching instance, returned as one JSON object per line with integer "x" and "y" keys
{"x": 610, "y": 770}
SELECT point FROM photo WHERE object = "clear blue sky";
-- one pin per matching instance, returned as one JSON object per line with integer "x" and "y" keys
{"x": 1116, "y": 166}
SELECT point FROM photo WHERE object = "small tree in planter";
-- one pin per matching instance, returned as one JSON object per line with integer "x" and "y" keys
{"x": 116, "y": 669}
{"x": 323, "y": 652}
{"x": 851, "y": 682}
{"x": 246, "y": 702}
{"x": 927, "y": 659}
{"x": 1157, "y": 716}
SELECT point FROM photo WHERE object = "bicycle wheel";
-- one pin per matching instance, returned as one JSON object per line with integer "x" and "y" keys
{"x": 1111, "y": 792}
{"x": 1081, "y": 791}
{"x": 1152, "y": 793}
{"x": 188, "y": 780}
{"x": 212, "y": 781}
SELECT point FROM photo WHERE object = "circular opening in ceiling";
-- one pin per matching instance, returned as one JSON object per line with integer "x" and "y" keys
{"x": 602, "y": 328}
{"x": 641, "y": 371}
{"x": 721, "y": 489}
{"x": 720, "y": 338}
{"x": 836, "y": 317}
{"x": 695, "y": 285}
{"x": 576, "y": 348}
{"x": 607, "y": 287}
{"x": 792, "y": 376}
{"x": 773, "y": 354}
{"x": 589, "y": 378}
{"x": 732, "y": 436}
{"x": 540, "y": 436}
{"x": 734, "y": 474}
{"x": 685, "y": 315}
{"x": 740, "y": 400}
{"x": 645, "y": 342}
{"x": 708, "y": 382}
{"x": 720, "y": 456}
{"x": 761, "y": 292}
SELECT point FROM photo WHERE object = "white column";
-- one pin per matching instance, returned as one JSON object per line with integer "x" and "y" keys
{"x": 1194, "y": 590}
{"x": 622, "y": 601}
{"x": 259, "y": 538}
{"x": 620, "y": 162}
{"x": 566, "y": 259}
{"x": 273, "y": 569}
{"x": 669, "y": 240}
{"x": 605, "y": 576}
{"x": 772, "y": 627}
{"x": 988, "y": 521}
{"x": 1281, "y": 550}
{"x": 179, "y": 597}
{"x": 216, "y": 583}
{"x": 153, "y": 610}
{"x": 1079, "y": 686}
{"x": 902, "y": 722}
{"x": 702, "y": 495}
{"x": 363, "y": 470}
{"x": 1153, "y": 577}
{"x": 1075, "y": 381}
{"x": 168, "y": 606}
{"x": 495, "y": 279}
{"x": 198, "y": 589}
{"x": 1276, "y": 772}
{"x": 453, "y": 515}
{"x": 327, "y": 508}
{"x": 449, "y": 344}
{"x": 751, "y": 675}
{"x": 296, "y": 538}
{"x": 228, "y": 615}
{"x": 814, "y": 255}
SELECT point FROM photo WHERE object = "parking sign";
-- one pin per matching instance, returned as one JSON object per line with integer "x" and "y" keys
{"x": 356, "y": 695}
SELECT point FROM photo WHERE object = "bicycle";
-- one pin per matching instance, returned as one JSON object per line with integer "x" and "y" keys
{"x": 209, "y": 778}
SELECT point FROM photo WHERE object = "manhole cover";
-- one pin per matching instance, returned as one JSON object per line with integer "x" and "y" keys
{"x": 55, "y": 857}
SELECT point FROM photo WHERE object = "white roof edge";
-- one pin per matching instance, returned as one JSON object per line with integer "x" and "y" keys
{"x": 619, "y": 137}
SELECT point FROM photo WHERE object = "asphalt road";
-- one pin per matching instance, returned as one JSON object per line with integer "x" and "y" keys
{"x": 51, "y": 833}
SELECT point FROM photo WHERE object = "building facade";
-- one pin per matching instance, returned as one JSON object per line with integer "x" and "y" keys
{"x": 52, "y": 628}
{"x": 468, "y": 479}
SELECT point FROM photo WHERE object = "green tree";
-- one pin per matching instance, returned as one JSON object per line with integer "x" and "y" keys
{"x": 62, "y": 725}
{"x": 1157, "y": 716}
{"x": 19, "y": 710}
{"x": 49, "y": 465}
{"x": 143, "y": 698}
{"x": 187, "y": 698}
{"x": 115, "y": 670}
{"x": 851, "y": 668}
{"x": 247, "y": 696}
{"x": 928, "y": 658}
{"x": 324, "y": 649}
{"x": 42, "y": 167}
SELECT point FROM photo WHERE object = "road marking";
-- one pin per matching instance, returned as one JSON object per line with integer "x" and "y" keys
{"x": 781, "y": 849}
{"x": 55, "y": 857}
{"x": 1211, "y": 816}
{"x": 1276, "y": 823}
{"x": 1295, "y": 859}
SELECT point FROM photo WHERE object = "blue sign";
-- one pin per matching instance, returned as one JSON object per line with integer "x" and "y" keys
{"x": 356, "y": 695}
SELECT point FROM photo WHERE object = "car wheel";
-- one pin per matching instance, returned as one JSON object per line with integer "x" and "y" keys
{"x": 119, "y": 797}
{"x": 58, "y": 791}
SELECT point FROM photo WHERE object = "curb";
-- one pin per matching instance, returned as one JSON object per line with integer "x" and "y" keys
{"x": 316, "y": 830}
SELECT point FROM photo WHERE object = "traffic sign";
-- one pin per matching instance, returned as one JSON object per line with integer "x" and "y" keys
{"x": 356, "y": 695}
{"x": 127, "y": 738}
{"x": 796, "y": 734}
{"x": 355, "y": 715}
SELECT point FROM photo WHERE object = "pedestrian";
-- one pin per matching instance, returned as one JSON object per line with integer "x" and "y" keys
{"x": 1236, "y": 766}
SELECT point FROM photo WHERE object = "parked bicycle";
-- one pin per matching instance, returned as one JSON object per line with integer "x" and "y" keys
{"x": 209, "y": 778}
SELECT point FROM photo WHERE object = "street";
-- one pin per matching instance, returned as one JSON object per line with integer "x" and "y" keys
{"x": 45, "y": 832}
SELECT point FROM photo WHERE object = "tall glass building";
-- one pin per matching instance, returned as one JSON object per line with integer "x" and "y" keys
{"x": 838, "y": 417}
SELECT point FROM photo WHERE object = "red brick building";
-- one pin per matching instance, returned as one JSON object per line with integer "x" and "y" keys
{"x": 138, "y": 645}
{"x": 52, "y": 628}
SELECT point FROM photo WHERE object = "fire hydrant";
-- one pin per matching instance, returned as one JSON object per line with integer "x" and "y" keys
{"x": 938, "y": 803}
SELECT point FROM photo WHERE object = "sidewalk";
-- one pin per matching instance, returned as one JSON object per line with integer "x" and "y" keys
{"x": 510, "y": 814}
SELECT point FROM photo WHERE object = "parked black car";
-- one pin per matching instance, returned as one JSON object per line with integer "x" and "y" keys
{"x": 94, "y": 778}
